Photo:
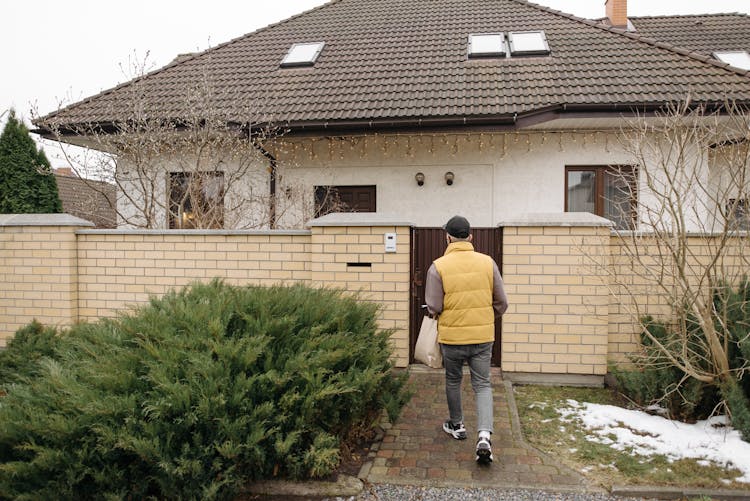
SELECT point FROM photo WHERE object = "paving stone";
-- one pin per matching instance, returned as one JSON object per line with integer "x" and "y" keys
{"x": 543, "y": 468}
{"x": 416, "y": 450}
{"x": 535, "y": 479}
{"x": 518, "y": 468}
{"x": 566, "y": 480}
{"x": 435, "y": 473}
{"x": 378, "y": 470}
{"x": 529, "y": 459}
{"x": 413, "y": 472}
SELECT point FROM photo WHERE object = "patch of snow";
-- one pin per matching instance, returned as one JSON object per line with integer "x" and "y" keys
{"x": 719, "y": 421}
{"x": 599, "y": 440}
{"x": 657, "y": 409}
{"x": 712, "y": 440}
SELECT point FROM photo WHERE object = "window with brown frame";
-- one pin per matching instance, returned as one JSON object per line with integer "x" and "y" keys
{"x": 610, "y": 191}
{"x": 196, "y": 200}
{"x": 345, "y": 199}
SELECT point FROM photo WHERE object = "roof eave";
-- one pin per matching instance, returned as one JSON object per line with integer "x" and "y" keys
{"x": 505, "y": 122}
{"x": 498, "y": 122}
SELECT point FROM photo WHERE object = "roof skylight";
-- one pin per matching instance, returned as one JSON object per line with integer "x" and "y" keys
{"x": 528, "y": 43}
{"x": 737, "y": 58}
{"x": 303, "y": 54}
{"x": 487, "y": 45}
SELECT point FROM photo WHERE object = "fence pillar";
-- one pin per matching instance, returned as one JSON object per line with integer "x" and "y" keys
{"x": 349, "y": 252}
{"x": 38, "y": 270}
{"x": 554, "y": 271}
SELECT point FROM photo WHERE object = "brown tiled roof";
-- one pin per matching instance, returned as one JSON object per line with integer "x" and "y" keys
{"x": 87, "y": 199}
{"x": 394, "y": 61}
{"x": 703, "y": 34}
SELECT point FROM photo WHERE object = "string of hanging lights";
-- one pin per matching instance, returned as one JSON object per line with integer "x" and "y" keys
{"x": 454, "y": 143}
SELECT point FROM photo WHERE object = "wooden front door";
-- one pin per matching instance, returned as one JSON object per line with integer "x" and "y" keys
{"x": 429, "y": 244}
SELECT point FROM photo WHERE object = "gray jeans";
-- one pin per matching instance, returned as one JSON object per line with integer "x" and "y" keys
{"x": 478, "y": 357}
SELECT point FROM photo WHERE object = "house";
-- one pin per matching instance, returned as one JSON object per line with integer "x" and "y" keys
{"x": 503, "y": 111}
{"x": 424, "y": 109}
{"x": 88, "y": 199}
{"x": 724, "y": 37}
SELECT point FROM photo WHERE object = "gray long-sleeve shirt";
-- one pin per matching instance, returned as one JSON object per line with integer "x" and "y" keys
{"x": 434, "y": 292}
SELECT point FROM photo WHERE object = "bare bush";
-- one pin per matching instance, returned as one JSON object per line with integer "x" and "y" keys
{"x": 690, "y": 245}
{"x": 189, "y": 166}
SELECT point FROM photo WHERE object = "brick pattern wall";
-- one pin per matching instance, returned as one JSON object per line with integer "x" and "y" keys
{"x": 59, "y": 276}
{"x": 38, "y": 276}
{"x": 634, "y": 281}
{"x": 340, "y": 258}
{"x": 121, "y": 268}
{"x": 557, "y": 321}
{"x": 562, "y": 318}
{"x": 634, "y": 296}
{"x": 617, "y": 12}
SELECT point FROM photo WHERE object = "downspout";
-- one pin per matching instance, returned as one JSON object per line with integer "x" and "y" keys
{"x": 272, "y": 164}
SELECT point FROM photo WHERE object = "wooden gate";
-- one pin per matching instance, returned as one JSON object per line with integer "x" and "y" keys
{"x": 428, "y": 244}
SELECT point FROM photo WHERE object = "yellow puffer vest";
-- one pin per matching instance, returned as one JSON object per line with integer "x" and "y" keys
{"x": 468, "y": 316}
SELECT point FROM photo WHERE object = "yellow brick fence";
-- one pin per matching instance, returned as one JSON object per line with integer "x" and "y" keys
{"x": 53, "y": 268}
{"x": 563, "y": 319}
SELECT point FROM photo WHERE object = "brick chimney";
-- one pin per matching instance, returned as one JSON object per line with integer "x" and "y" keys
{"x": 617, "y": 12}
{"x": 64, "y": 171}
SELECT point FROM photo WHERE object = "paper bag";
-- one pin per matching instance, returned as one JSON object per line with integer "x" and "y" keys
{"x": 427, "y": 349}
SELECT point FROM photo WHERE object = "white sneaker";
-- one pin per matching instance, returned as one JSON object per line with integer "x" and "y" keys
{"x": 457, "y": 431}
{"x": 484, "y": 451}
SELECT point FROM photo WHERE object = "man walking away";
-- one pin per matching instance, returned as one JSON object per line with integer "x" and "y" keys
{"x": 465, "y": 289}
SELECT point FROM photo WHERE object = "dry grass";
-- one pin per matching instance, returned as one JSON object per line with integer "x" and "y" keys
{"x": 601, "y": 464}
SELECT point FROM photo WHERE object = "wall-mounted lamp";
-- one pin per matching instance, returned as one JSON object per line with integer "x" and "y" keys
{"x": 449, "y": 178}
{"x": 420, "y": 178}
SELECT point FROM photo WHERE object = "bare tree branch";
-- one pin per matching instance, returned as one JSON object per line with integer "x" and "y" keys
{"x": 691, "y": 244}
{"x": 190, "y": 168}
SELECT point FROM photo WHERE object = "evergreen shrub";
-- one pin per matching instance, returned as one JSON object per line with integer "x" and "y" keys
{"x": 27, "y": 183}
{"x": 197, "y": 394}
{"x": 20, "y": 359}
{"x": 655, "y": 379}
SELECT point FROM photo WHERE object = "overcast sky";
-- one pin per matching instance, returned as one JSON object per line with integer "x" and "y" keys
{"x": 61, "y": 51}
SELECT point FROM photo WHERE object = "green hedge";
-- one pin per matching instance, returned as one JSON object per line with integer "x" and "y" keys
{"x": 20, "y": 359}
{"x": 656, "y": 379}
{"x": 197, "y": 394}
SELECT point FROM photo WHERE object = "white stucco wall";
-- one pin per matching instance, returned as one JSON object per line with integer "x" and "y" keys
{"x": 729, "y": 177}
{"x": 246, "y": 184}
{"x": 493, "y": 181}
{"x": 498, "y": 176}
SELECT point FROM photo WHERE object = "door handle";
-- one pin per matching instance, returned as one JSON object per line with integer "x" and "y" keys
{"x": 417, "y": 279}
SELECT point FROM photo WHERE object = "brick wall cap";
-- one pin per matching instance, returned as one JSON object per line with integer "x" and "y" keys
{"x": 359, "y": 219}
{"x": 689, "y": 234}
{"x": 194, "y": 232}
{"x": 557, "y": 219}
{"x": 42, "y": 220}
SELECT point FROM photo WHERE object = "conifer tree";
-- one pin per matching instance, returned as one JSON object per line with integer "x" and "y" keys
{"x": 27, "y": 185}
